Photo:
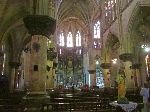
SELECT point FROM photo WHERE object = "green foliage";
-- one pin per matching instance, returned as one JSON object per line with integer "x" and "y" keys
{"x": 122, "y": 100}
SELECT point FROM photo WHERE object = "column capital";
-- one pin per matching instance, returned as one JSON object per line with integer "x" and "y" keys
{"x": 40, "y": 25}
{"x": 126, "y": 57}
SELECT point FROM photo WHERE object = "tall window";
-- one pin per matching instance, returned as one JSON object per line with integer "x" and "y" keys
{"x": 69, "y": 40}
{"x": 110, "y": 9}
{"x": 61, "y": 39}
{"x": 97, "y": 30}
{"x": 78, "y": 39}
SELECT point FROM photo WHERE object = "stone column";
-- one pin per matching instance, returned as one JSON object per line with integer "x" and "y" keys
{"x": 106, "y": 72}
{"x": 50, "y": 81}
{"x": 40, "y": 27}
{"x": 126, "y": 60}
{"x": 12, "y": 78}
{"x": 92, "y": 73}
{"x": 129, "y": 75}
{"x": 92, "y": 77}
{"x": 14, "y": 66}
{"x": 136, "y": 74}
{"x": 38, "y": 57}
{"x": 50, "y": 64}
{"x": 53, "y": 78}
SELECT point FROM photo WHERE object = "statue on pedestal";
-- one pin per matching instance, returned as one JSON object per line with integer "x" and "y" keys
{"x": 121, "y": 87}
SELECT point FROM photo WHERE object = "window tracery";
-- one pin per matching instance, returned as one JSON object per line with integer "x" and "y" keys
{"x": 61, "y": 39}
{"x": 97, "y": 30}
{"x": 69, "y": 40}
{"x": 110, "y": 10}
{"x": 78, "y": 39}
{"x": 97, "y": 35}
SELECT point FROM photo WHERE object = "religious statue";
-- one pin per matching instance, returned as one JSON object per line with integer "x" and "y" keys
{"x": 121, "y": 87}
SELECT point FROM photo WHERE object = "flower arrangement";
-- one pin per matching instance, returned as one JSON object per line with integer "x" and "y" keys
{"x": 122, "y": 100}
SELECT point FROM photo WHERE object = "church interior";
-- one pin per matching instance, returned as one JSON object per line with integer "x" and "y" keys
{"x": 74, "y": 55}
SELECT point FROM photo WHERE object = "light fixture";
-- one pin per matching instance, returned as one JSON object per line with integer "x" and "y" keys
{"x": 145, "y": 47}
{"x": 114, "y": 61}
{"x": 97, "y": 62}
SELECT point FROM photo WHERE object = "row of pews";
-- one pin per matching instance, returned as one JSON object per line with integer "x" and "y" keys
{"x": 6, "y": 105}
{"x": 78, "y": 103}
{"x": 83, "y": 104}
{"x": 68, "y": 102}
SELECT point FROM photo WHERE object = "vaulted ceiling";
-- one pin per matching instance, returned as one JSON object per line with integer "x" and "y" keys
{"x": 11, "y": 14}
{"x": 81, "y": 12}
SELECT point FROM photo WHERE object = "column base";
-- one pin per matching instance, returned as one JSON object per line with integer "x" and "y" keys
{"x": 34, "y": 101}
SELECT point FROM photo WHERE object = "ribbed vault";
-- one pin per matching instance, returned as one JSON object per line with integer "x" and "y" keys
{"x": 84, "y": 10}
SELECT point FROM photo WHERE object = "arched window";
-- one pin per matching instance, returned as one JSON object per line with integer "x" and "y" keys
{"x": 110, "y": 9}
{"x": 69, "y": 40}
{"x": 61, "y": 39}
{"x": 78, "y": 39}
{"x": 97, "y": 30}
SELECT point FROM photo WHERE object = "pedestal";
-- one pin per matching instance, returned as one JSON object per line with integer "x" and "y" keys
{"x": 35, "y": 101}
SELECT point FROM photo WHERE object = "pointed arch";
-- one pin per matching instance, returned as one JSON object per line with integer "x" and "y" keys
{"x": 78, "y": 39}
{"x": 97, "y": 30}
{"x": 69, "y": 39}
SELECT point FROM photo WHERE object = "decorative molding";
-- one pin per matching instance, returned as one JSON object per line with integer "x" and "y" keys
{"x": 105, "y": 65}
{"x": 126, "y": 57}
{"x": 40, "y": 25}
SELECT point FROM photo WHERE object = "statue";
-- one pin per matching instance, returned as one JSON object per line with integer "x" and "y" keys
{"x": 121, "y": 87}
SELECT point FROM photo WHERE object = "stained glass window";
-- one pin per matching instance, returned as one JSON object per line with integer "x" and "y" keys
{"x": 69, "y": 40}
{"x": 78, "y": 39}
{"x": 97, "y": 44}
{"x": 110, "y": 9}
{"x": 97, "y": 30}
{"x": 61, "y": 39}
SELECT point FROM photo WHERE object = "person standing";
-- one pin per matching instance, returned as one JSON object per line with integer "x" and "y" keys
{"x": 145, "y": 93}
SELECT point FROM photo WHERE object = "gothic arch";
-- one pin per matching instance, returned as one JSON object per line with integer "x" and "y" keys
{"x": 134, "y": 18}
{"x": 112, "y": 45}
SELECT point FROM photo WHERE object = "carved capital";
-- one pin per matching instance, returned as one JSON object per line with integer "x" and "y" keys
{"x": 126, "y": 57}
{"x": 40, "y": 25}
